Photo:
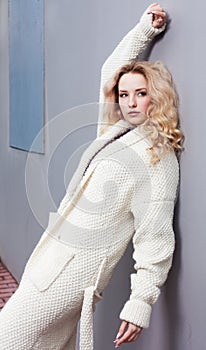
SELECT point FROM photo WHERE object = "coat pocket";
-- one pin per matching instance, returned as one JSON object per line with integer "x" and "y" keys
{"x": 49, "y": 260}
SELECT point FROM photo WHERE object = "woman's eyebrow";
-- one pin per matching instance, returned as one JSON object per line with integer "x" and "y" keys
{"x": 141, "y": 88}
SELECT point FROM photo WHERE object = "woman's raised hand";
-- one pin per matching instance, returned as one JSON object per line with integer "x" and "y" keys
{"x": 159, "y": 15}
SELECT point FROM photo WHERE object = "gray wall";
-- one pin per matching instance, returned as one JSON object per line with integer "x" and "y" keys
{"x": 78, "y": 37}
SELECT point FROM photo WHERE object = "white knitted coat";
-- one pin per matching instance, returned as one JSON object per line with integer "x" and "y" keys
{"x": 117, "y": 197}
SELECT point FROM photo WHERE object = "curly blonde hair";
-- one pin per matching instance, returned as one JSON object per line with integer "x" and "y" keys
{"x": 162, "y": 121}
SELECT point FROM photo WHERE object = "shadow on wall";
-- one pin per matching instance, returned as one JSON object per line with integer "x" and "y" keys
{"x": 172, "y": 292}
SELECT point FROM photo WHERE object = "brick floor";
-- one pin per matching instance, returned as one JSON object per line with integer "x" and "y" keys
{"x": 8, "y": 285}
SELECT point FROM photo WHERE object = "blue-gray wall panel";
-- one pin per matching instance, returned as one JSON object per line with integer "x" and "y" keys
{"x": 26, "y": 56}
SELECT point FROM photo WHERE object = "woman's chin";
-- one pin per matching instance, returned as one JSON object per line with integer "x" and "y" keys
{"x": 135, "y": 120}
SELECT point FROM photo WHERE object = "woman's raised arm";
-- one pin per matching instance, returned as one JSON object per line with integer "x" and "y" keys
{"x": 132, "y": 45}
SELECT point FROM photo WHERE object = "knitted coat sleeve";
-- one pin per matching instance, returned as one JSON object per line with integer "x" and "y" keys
{"x": 130, "y": 47}
{"x": 153, "y": 240}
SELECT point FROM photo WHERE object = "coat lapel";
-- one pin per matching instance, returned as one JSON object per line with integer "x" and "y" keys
{"x": 80, "y": 177}
{"x": 115, "y": 130}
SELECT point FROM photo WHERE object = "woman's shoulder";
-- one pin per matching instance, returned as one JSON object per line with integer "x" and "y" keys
{"x": 167, "y": 167}
{"x": 168, "y": 157}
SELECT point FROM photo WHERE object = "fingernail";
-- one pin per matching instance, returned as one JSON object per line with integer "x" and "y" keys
{"x": 116, "y": 346}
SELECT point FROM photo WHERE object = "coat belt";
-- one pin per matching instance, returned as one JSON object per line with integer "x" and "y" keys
{"x": 86, "y": 320}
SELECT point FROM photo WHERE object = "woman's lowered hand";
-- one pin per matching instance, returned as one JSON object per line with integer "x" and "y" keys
{"x": 128, "y": 332}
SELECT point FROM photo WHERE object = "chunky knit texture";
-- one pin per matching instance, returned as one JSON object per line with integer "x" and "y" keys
{"x": 128, "y": 198}
{"x": 118, "y": 197}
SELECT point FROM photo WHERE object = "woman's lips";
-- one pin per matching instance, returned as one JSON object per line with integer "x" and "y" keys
{"x": 134, "y": 114}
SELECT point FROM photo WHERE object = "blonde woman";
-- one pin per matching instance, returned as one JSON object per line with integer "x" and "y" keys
{"x": 124, "y": 188}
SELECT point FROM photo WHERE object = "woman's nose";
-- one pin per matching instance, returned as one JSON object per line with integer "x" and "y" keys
{"x": 132, "y": 103}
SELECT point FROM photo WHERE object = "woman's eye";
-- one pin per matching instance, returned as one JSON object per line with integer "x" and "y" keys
{"x": 142, "y": 93}
{"x": 139, "y": 93}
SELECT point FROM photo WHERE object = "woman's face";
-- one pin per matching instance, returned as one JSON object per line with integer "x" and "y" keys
{"x": 133, "y": 98}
